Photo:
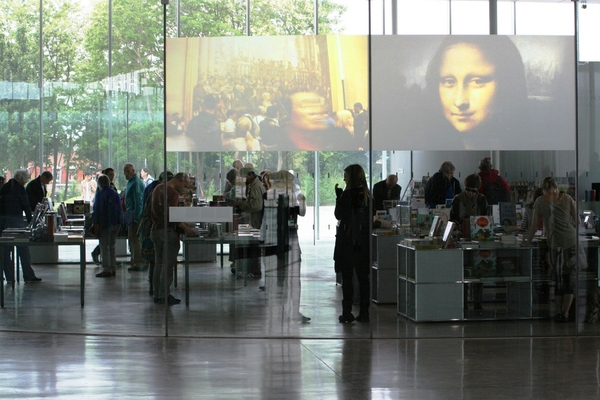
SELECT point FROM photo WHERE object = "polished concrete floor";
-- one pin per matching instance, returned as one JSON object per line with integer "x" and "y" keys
{"x": 37, "y": 365}
{"x": 235, "y": 341}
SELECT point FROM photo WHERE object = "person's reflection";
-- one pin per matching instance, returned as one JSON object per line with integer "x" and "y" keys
{"x": 285, "y": 287}
{"x": 357, "y": 359}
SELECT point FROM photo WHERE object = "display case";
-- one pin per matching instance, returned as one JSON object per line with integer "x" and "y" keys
{"x": 430, "y": 284}
{"x": 383, "y": 268}
{"x": 442, "y": 284}
{"x": 503, "y": 278}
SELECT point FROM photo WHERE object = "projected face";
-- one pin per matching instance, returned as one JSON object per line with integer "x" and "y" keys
{"x": 307, "y": 111}
{"x": 467, "y": 86}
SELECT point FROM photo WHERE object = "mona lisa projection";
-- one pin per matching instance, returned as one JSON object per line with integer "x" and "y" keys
{"x": 281, "y": 93}
{"x": 473, "y": 92}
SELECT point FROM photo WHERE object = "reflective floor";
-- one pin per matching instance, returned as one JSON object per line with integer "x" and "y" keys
{"x": 34, "y": 365}
{"x": 237, "y": 341}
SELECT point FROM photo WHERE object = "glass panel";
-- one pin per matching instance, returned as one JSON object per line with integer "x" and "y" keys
{"x": 280, "y": 85}
{"x": 470, "y": 17}
{"x": 426, "y": 17}
{"x": 506, "y": 18}
{"x": 557, "y": 18}
{"x": 91, "y": 121}
{"x": 588, "y": 31}
{"x": 20, "y": 134}
{"x": 346, "y": 16}
{"x": 588, "y": 189}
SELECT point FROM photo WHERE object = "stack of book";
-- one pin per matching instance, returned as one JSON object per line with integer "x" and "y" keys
{"x": 17, "y": 234}
{"x": 508, "y": 240}
{"x": 245, "y": 230}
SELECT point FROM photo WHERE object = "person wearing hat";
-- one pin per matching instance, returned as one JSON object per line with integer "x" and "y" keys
{"x": 252, "y": 205}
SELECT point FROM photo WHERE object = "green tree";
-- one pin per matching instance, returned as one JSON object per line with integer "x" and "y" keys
{"x": 79, "y": 110}
{"x": 211, "y": 18}
{"x": 19, "y": 68}
{"x": 293, "y": 17}
{"x": 64, "y": 121}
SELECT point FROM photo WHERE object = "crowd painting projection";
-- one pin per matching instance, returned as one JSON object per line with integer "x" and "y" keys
{"x": 266, "y": 93}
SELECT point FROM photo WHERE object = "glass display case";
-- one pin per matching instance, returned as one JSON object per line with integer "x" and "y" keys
{"x": 465, "y": 283}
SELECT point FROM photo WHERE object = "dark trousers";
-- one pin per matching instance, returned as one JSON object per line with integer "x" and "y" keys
{"x": 362, "y": 274}
{"x": 249, "y": 254}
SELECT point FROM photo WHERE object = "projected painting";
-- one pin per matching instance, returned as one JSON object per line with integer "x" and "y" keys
{"x": 428, "y": 93}
{"x": 473, "y": 93}
{"x": 267, "y": 93}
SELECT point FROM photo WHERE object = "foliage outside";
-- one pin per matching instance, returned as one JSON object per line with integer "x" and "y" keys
{"x": 90, "y": 121}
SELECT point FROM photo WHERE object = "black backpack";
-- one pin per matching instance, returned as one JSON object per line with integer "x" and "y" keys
{"x": 495, "y": 192}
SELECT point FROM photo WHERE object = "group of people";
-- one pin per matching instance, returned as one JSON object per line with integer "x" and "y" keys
{"x": 551, "y": 210}
{"x": 247, "y": 191}
{"x": 298, "y": 121}
{"x": 20, "y": 196}
{"x": 141, "y": 207}
{"x": 443, "y": 188}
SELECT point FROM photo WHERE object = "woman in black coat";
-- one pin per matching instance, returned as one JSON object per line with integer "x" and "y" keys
{"x": 352, "y": 241}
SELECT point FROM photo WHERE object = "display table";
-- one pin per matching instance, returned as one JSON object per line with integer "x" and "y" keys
{"x": 53, "y": 245}
{"x": 238, "y": 241}
{"x": 432, "y": 282}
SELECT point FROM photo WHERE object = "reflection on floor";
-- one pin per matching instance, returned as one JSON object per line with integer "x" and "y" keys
{"x": 37, "y": 365}
{"x": 236, "y": 341}
{"x": 221, "y": 306}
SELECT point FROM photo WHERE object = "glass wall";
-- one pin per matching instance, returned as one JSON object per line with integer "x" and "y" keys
{"x": 101, "y": 83}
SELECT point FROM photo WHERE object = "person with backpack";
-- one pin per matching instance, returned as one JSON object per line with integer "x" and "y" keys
{"x": 493, "y": 186}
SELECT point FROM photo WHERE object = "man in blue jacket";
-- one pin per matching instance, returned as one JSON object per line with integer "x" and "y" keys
{"x": 133, "y": 213}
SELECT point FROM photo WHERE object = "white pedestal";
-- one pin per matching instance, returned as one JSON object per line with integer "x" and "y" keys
{"x": 202, "y": 252}
{"x": 44, "y": 254}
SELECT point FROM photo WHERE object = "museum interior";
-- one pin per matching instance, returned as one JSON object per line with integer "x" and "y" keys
{"x": 299, "y": 91}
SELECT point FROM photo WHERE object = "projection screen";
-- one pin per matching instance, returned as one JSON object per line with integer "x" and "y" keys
{"x": 428, "y": 93}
